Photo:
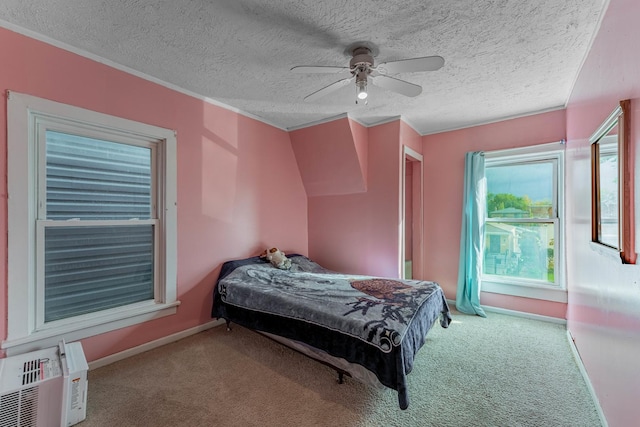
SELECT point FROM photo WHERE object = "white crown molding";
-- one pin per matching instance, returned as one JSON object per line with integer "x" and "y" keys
{"x": 318, "y": 122}
{"x": 498, "y": 120}
{"x": 115, "y": 65}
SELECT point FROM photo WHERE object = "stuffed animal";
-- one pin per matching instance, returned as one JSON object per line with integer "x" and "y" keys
{"x": 277, "y": 258}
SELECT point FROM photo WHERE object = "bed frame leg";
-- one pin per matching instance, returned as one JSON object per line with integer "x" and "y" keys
{"x": 228, "y": 325}
{"x": 340, "y": 378}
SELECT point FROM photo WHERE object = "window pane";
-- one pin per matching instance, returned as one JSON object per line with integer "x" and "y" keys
{"x": 94, "y": 179}
{"x": 608, "y": 174}
{"x": 90, "y": 269}
{"x": 520, "y": 191}
{"x": 524, "y": 251}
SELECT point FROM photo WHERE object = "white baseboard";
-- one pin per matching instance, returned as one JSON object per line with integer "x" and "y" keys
{"x": 583, "y": 371}
{"x": 153, "y": 344}
{"x": 524, "y": 314}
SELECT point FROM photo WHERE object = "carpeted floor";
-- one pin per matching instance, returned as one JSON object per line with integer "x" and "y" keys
{"x": 499, "y": 371}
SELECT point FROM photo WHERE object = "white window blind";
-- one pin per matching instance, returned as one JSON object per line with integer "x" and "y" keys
{"x": 96, "y": 179}
{"x": 89, "y": 269}
{"x": 97, "y": 267}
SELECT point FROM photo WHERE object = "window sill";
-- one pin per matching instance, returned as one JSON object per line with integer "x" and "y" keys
{"x": 606, "y": 251}
{"x": 94, "y": 325}
{"x": 527, "y": 291}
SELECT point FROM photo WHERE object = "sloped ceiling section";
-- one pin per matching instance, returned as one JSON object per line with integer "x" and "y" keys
{"x": 331, "y": 158}
{"x": 361, "y": 142}
{"x": 503, "y": 58}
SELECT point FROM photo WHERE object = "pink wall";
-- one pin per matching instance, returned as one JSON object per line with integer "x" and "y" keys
{"x": 346, "y": 232}
{"x": 444, "y": 175}
{"x": 239, "y": 189}
{"x": 604, "y": 296}
{"x": 329, "y": 157}
{"x": 410, "y": 138}
{"x": 359, "y": 233}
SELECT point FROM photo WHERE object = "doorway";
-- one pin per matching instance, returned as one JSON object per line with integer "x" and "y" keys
{"x": 412, "y": 221}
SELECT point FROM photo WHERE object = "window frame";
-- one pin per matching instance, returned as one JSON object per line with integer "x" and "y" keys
{"x": 532, "y": 288}
{"x": 27, "y": 119}
{"x": 621, "y": 118}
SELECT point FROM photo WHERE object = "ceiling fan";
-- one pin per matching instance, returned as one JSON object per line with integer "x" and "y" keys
{"x": 363, "y": 70}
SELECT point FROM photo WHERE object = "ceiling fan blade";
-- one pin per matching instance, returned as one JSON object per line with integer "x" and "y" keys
{"x": 318, "y": 69}
{"x": 328, "y": 89}
{"x": 427, "y": 63}
{"x": 396, "y": 85}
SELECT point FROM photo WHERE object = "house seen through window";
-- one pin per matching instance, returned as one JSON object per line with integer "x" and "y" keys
{"x": 522, "y": 222}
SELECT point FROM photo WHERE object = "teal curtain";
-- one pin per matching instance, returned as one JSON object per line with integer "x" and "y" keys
{"x": 472, "y": 235}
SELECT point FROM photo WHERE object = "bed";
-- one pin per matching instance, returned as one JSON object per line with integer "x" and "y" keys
{"x": 367, "y": 327}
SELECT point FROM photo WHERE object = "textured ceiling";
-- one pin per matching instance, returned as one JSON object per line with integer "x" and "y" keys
{"x": 503, "y": 58}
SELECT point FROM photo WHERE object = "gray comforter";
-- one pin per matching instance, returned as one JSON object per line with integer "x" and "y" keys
{"x": 378, "y": 323}
{"x": 375, "y": 310}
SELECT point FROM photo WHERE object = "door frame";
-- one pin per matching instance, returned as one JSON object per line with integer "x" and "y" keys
{"x": 412, "y": 156}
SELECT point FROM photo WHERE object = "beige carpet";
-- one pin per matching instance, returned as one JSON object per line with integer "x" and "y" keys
{"x": 499, "y": 371}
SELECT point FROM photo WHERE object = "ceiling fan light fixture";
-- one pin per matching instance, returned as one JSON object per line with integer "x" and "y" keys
{"x": 361, "y": 89}
{"x": 363, "y": 70}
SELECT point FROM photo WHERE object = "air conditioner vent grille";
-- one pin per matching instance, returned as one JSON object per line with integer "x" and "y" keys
{"x": 31, "y": 371}
{"x": 19, "y": 408}
{"x": 9, "y": 409}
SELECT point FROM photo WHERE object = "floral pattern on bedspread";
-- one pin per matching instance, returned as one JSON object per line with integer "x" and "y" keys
{"x": 375, "y": 310}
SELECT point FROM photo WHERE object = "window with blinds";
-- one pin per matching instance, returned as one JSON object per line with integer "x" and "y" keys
{"x": 98, "y": 225}
{"x": 92, "y": 223}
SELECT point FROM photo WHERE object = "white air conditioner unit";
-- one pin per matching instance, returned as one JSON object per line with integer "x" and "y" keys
{"x": 44, "y": 388}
